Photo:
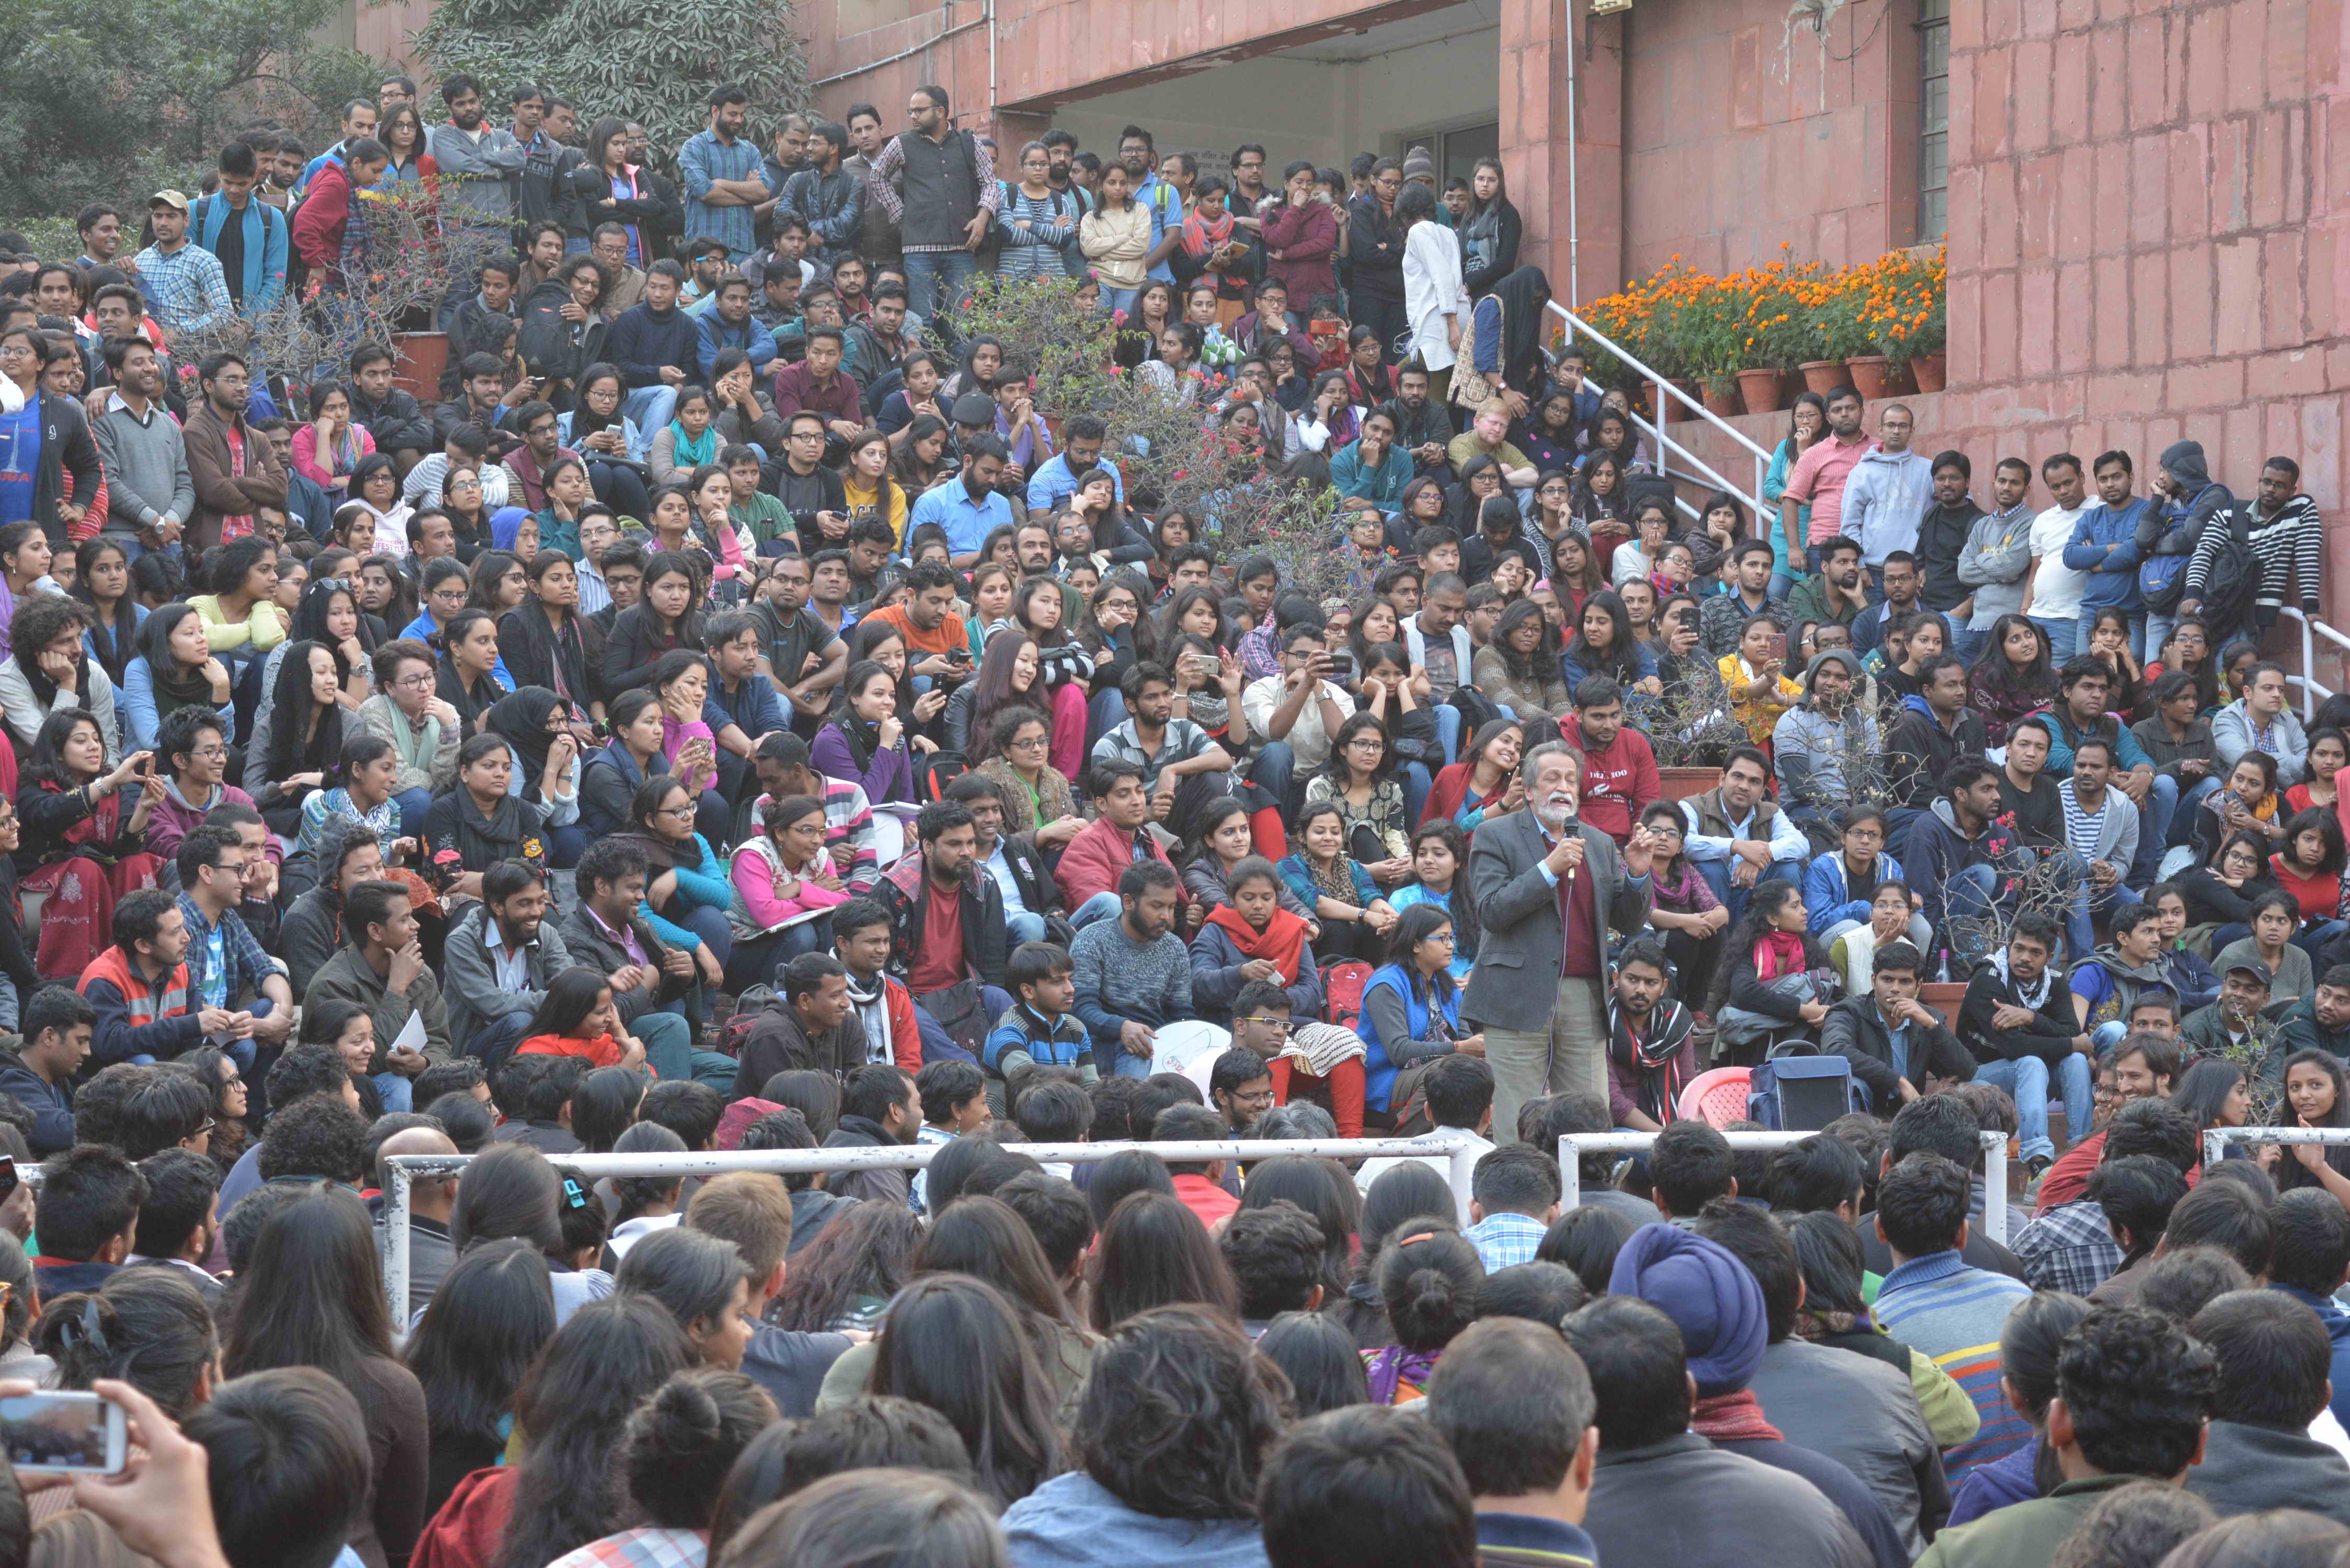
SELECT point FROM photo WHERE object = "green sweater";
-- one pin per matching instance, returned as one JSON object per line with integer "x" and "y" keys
{"x": 2024, "y": 1534}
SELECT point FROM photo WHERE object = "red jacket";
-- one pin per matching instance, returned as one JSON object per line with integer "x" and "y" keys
{"x": 1096, "y": 858}
{"x": 1619, "y": 784}
{"x": 1308, "y": 238}
{"x": 905, "y": 1029}
{"x": 318, "y": 226}
{"x": 1211, "y": 1202}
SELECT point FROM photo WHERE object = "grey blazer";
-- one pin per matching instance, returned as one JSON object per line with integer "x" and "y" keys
{"x": 1514, "y": 982}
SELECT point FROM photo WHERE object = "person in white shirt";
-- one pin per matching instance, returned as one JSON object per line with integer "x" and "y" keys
{"x": 2052, "y": 594}
{"x": 1460, "y": 1099}
{"x": 1435, "y": 299}
{"x": 1295, "y": 713}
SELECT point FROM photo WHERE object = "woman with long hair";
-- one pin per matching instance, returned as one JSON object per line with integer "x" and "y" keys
{"x": 573, "y": 1410}
{"x": 921, "y": 460}
{"x": 982, "y": 357}
{"x": 420, "y": 731}
{"x": 478, "y": 822}
{"x": 307, "y": 737}
{"x": 1385, "y": 691}
{"x": 241, "y": 616}
{"x": 402, "y": 135}
{"x": 542, "y": 730}
{"x": 467, "y": 670}
{"x": 2329, "y": 753}
{"x": 1398, "y": 1202}
{"x": 499, "y": 582}
{"x": 576, "y": 1018}
{"x": 328, "y": 448}
{"x": 1756, "y": 679}
{"x": 1489, "y": 240}
{"x": 2308, "y": 865}
{"x": 916, "y": 394}
{"x": 1008, "y": 676}
{"x": 1807, "y": 422}
{"x": 1599, "y": 505}
{"x": 1146, "y": 1259}
{"x": 614, "y": 772}
{"x": 466, "y": 502}
{"x": 1355, "y": 918}
{"x": 471, "y": 1350}
{"x": 1603, "y": 644}
{"x": 1372, "y": 623}
{"x": 1037, "y": 798}
{"x": 218, "y": 1072}
{"x": 1321, "y": 1360}
{"x": 312, "y": 1296}
{"x": 1480, "y": 481}
{"x": 865, "y": 740}
{"x": 1440, "y": 876}
{"x": 611, "y": 448}
{"x": 2316, "y": 1096}
{"x": 148, "y": 1327}
{"x": 1484, "y": 782}
{"x": 956, "y": 1345}
{"x": 513, "y": 1190}
{"x": 102, "y": 583}
{"x": 2248, "y": 801}
{"x": 540, "y": 640}
{"x": 1428, "y": 1282}
{"x": 1767, "y": 977}
{"x": 1356, "y": 779}
{"x": 375, "y": 485}
{"x": 866, "y": 486}
{"x": 1554, "y": 437}
{"x": 2221, "y": 894}
{"x": 715, "y": 533}
{"x": 1685, "y": 910}
{"x": 1574, "y": 578}
{"x": 2215, "y": 1092}
{"x": 778, "y": 875}
{"x": 1412, "y": 1005}
{"x": 845, "y": 1278}
{"x": 1040, "y": 608}
{"x": 359, "y": 790}
{"x": 2012, "y": 677}
{"x": 663, "y": 620}
{"x": 1227, "y": 839}
{"x": 689, "y": 893}
{"x": 1519, "y": 669}
{"x": 2109, "y": 638}
{"x": 174, "y": 669}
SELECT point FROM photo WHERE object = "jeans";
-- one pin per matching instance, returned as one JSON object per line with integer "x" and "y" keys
{"x": 938, "y": 1045}
{"x": 1114, "y": 1061}
{"x": 1967, "y": 645}
{"x": 1447, "y": 731}
{"x": 2168, "y": 822}
{"x": 1105, "y": 712}
{"x": 2078, "y": 933}
{"x": 1113, "y": 300}
{"x": 1782, "y": 585}
{"x": 2158, "y": 632}
{"x": 1416, "y": 785}
{"x": 1969, "y": 904}
{"x": 412, "y": 804}
{"x": 759, "y": 961}
{"x": 494, "y": 1041}
{"x": 1276, "y": 773}
{"x": 2064, "y": 637}
{"x": 1027, "y": 926}
{"x": 928, "y": 272}
{"x": 2026, "y": 1080}
{"x": 1100, "y": 907}
{"x": 619, "y": 486}
{"x": 1734, "y": 898}
{"x": 397, "y": 1093}
{"x": 649, "y": 408}
{"x": 2312, "y": 939}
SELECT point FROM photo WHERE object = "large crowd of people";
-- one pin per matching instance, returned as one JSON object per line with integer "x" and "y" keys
{"x": 734, "y": 715}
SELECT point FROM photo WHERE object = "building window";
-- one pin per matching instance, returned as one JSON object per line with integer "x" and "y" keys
{"x": 1933, "y": 119}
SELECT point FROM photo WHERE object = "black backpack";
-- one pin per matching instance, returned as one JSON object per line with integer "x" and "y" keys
{"x": 2232, "y": 578}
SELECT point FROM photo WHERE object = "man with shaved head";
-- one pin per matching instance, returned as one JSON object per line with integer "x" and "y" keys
{"x": 431, "y": 1198}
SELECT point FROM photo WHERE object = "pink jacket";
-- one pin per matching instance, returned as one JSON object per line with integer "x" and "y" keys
{"x": 171, "y": 820}
{"x": 753, "y": 876}
{"x": 1308, "y": 238}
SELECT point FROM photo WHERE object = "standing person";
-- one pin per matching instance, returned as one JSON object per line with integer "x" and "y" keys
{"x": 721, "y": 171}
{"x": 1436, "y": 302}
{"x": 48, "y": 443}
{"x": 1301, "y": 237}
{"x": 1532, "y": 904}
{"x": 878, "y": 238}
{"x": 1996, "y": 559}
{"x": 826, "y": 195}
{"x": 2104, "y": 547}
{"x": 248, "y": 237}
{"x": 1820, "y": 477}
{"x": 950, "y": 200}
{"x": 2053, "y": 595}
{"x": 182, "y": 279}
{"x": 1887, "y": 492}
{"x": 149, "y": 494}
{"x": 2288, "y": 542}
{"x": 235, "y": 473}
{"x": 1943, "y": 535}
{"x": 1374, "y": 252}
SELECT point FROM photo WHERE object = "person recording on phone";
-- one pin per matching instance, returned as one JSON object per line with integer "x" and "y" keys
{"x": 1295, "y": 713}
{"x": 1548, "y": 889}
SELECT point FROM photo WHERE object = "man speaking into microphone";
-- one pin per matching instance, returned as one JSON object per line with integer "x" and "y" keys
{"x": 1548, "y": 890}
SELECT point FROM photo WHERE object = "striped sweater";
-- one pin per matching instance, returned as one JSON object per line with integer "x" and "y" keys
{"x": 1953, "y": 1315}
{"x": 2289, "y": 545}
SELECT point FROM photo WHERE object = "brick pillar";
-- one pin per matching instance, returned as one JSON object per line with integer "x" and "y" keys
{"x": 1536, "y": 38}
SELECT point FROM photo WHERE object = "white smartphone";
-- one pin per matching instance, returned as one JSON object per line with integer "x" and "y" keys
{"x": 63, "y": 1432}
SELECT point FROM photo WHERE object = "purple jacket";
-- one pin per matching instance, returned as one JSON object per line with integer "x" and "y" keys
{"x": 170, "y": 821}
{"x": 2012, "y": 1478}
{"x": 889, "y": 778}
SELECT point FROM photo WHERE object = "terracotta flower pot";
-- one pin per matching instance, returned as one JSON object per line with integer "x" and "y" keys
{"x": 1759, "y": 390}
{"x": 1929, "y": 370}
{"x": 1822, "y": 376}
{"x": 1872, "y": 376}
{"x": 420, "y": 357}
{"x": 1689, "y": 389}
{"x": 1725, "y": 404}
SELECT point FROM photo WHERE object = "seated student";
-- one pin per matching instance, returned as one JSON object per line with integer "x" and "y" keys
{"x": 476, "y": 823}
{"x": 500, "y": 958}
{"x": 85, "y": 1215}
{"x": 576, "y": 1017}
{"x": 1897, "y": 1046}
{"x": 57, "y": 1024}
{"x": 1250, "y": 936}
{"x": 190, "y": 753}
{"x": 173, "y": 669}
{"x": 1040, "y": 1029}
{"x": 1411, "y": 1008}
{"x": 781, "y": 874}
{"x": 1091, "y": 864}
{"x": 2274, "y": 1358}
{"x": 2225, "y": 1027}
{"x": 1133, "y": 973}
{"x": 227, "y": 968}
{"x": 82, "y": 843}
{"x": 2020, "y": 1021}
{"x": 138, "y": 987}
{"x": 809, "y": 1026}
{"x": 382, "y": 967}
{"x": 288, "y": 1465}
{"x": 862, "y": 937}
{"x": 1014, "y": 862}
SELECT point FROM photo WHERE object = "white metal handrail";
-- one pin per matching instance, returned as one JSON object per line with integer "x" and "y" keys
{"x": 2216, "y": 1142}
{"x": 1460, "y": 1151}
{"x": 1573, "y": 1146}
{"x": 2312, "y": 690}
{"x": 1666, "y": 444}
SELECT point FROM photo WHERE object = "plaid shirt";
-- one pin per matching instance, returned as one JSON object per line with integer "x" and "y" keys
{"x": 2070, "y": 1248}
{"x": 1505, "y": 1241}
{"x": 242, "y": 957}
{"x": 646, "y": 1547}
{"x": 190, "y": 292}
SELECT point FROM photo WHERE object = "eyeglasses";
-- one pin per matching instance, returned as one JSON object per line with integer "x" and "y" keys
{"x": 208, "y": 1124}
{"x": 685, "y": 811}
{"x": 1031, "y": 743}
{"x": 1281, "y": 1023}
{"x": 209, "y": 754}
{"x": 1260, "y": 1097}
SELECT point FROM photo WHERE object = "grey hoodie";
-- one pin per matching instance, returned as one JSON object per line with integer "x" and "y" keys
{"x": 1995, "y": 563}
{"x": 1884, "y": 497}
{"x": 1812, "y": 748}
{"x": 2247, "y": 1468}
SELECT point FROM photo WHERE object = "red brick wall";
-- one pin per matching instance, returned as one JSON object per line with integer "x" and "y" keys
{"x": 2146, "y": 214}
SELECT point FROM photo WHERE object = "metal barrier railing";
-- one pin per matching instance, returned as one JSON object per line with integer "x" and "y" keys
{"x": 1573, "y": 1146}
{"x": 1460, "y": 1151}
{"x": 2216, "y": 1142}
{"x": 2312, "y": 690}
{"x": 1659, "y": 431}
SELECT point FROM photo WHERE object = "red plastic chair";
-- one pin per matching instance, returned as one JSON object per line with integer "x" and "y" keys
{"x": 1717, "y": 1097}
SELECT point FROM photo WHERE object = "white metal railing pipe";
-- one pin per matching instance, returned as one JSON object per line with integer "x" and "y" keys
{"x": 1668, "y": 449}
{"x": 2312, "y": 690}
{"x": 1666, "y": 388}
{"x": 2216, "y": 1142}
{"x": 1460, "y": 1151}
{"x": 1573, "y": 1146}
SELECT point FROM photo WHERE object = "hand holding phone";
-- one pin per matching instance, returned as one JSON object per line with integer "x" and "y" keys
{"x": 63, "y": 1432}
{"x": 1775, "y": 647}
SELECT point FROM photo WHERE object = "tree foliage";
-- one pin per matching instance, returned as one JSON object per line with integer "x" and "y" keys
{"x": 616, "y": 58}
{"x": 110, "y": 102}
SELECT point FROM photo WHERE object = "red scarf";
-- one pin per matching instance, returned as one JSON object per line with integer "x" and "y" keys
{"x": 1778, "y": 953}
{"x": 1282, "y": 940}
{"x": 1733, "y": 1418}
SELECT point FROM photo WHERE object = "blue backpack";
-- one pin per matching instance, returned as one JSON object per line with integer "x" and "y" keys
{"x": 1797, "y": 1089}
